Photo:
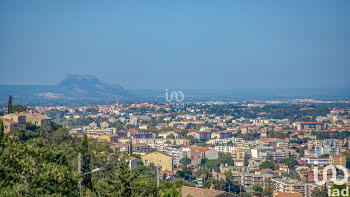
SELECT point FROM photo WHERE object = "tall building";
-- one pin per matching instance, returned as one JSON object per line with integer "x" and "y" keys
{"x": 337, "y": 159}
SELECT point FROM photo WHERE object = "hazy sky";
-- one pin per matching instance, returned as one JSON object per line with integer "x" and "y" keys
{"x": 177, "y": 44}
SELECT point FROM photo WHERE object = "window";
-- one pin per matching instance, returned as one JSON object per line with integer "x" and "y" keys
{"x": 160, "y": 160}
{"x": 146, "y": 160}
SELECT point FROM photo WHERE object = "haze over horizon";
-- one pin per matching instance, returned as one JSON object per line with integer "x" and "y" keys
{"x": 178, "y": 45}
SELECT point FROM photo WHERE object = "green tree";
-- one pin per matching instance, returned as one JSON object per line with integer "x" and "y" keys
{"x": 85, "y": 163}
{"x": 121, "y": 183}
{"x": 185, "y": 161}
{"x": 9, "y": 105}
{"x": 32, "y": 168}
{"x": 228, "y": 174}
{"x": 257, "y": 190}
{"x": 1, "y": 130}
{"x": 267, "y": 164}
{"x": 336, "y": 190}
{"x": 324, "y": 155}
{"x": 290, "y": 161}
{"x": 171, "y": 136}
{"x": 269, "y": 188}
{"x": 168, "y": 189}
{"x": 19, "y": 108}
{"x": 319, "y": 192}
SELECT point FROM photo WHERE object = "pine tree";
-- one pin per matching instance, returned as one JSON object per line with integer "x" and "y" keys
{"x": 9, "y": 105}
{"x": 85, "y": 163}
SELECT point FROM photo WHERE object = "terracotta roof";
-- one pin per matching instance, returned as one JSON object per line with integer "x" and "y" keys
{"x": 202, "y": 149}
{"x": 336, "y": 155}
{"x": 287, "y": 194}
{"x": 311, "y": 123}
{"x": 199, "y": 192}
{"x": 272, "y": 140}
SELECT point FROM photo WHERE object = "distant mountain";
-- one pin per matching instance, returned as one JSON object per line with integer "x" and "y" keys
{"x": 72, "y": 89}
{"x": 86, "y": 86}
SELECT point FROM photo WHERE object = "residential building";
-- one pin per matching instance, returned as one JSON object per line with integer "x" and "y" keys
{"x": 12, "y": 121}
{"x": 37, "y": 119}
{"x": 201, "y": 134}
{"x": 323, "y": 161}
{"x": 175, "y": 134}
{"x": 288, "y": 185}
{"x": 337, "y": 159}
{"x": 311, "y": 125}
{"x": 160, "y": 159}
{"x": 195, "y": 191}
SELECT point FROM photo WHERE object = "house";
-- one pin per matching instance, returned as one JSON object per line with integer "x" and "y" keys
{"x": 198, "y": 153}
{"x": 15, "y": 120}
{"x": 160, "y": 159}
{"x": 221, "y": 134}
{"x": 238, "y": 162}
{"x": 141, "y": 135}
{"x": 37, "y": 119}
{"x": 136, "y": 148}
{"x": 199, "y": 192}
{"x": 175, "y": 134}
{"x": 110, "y": 138}
{"x": 118, "y": 147}
{"x": 288, "y": 194}
{"x": 201, "y": 134}
{"x": 132, "y": 162}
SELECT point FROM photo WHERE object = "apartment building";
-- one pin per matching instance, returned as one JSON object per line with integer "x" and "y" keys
{"x": 176, "y": 134}
{"x": 311, "y": 125}
{"x": 288, "y": 185}
{"x": 201, "y": 134}
{"x": 136, "y": 148}
{"x": 323, "y": 161}
{"x": 224, "y": 149}
{"x": 337, "y": 159}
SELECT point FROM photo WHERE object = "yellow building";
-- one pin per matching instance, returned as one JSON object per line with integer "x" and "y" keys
{"x": 15, "y": 120}
{"x": 110, "y": 138}
{"x": 337, "y": 159}
{"x": 160, "y": 159}
{"x": 240, "y": 155}
{"x": 37, "y": 119}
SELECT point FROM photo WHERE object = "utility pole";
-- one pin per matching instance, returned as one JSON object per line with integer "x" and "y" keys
{"x": 79, "y": 170}
{"x": 306, "y": 187}
{"x": 158, "y": 180}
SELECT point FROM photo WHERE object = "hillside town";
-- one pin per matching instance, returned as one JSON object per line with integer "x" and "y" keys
{"x": 239, "y": 148}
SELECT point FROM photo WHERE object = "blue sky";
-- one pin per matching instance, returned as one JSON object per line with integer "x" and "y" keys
{"x": 178, "y": 44}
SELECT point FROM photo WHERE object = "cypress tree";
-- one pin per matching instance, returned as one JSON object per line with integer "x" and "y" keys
{"x": 9, "y": 105}
{"x": 85, "y": 163}
{"x": 1, "y": 130}
{"x": 130, "y": 147}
